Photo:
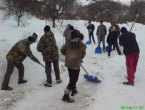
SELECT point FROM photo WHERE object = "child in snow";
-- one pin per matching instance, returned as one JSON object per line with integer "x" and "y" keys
{"x": 74, "y": 52}
{"x": 112, "y": 40}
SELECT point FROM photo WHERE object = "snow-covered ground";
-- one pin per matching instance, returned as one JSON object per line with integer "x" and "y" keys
{"x": 110, "y": 94}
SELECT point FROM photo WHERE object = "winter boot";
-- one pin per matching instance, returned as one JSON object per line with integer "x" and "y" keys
{"x": 48, "y": 85}
{"x": 22, "y": 82}
{"x": 74, "y": 92}
{"x": 67, "y": 98}
{"x": 126, "y": 83}
{"x": 58, "y": 81}
{"x": 7, "y": 88}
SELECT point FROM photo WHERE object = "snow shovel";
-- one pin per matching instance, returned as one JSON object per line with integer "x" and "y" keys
{"x": 42, "y": 65}
{"x": 98, "y": 49}
{"x": 89, "y": 77}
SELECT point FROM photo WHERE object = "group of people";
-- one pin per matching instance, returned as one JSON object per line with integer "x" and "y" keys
{"x": 126, "y": 39}
{"x": 74, "y": 51}
{"x": 114, "y": 33}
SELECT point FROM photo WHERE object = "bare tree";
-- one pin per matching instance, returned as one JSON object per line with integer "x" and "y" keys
{"x": 16, "y": 8}
{"x": 55, "y": 8}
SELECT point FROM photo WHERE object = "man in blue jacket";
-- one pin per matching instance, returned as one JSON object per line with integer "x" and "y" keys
{"x": 131, "y": 51}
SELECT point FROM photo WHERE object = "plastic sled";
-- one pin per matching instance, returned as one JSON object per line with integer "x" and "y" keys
{"x": 92, "y": 78}
{"x": 98, "y": 50}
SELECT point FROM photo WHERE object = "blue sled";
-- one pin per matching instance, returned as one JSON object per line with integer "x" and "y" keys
{"x": 92, "y": 78}
{"x": 98, "y": 50}
{"x": 108, "y": 47}
{"x": 88, "y": 43}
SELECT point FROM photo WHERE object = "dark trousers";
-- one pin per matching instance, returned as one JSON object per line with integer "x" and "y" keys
{"x": 91, "y": 34}
{"x": 73, "y": 75}
{"x": 115, "y": 45}
{"x": 48, "y": 71}
{"x": 10, "y": 69}
{"x": 131, "y": 64}
{"x": 102, "y": 39}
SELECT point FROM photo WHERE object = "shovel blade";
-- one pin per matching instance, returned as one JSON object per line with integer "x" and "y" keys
{"x": 92, "y": 78}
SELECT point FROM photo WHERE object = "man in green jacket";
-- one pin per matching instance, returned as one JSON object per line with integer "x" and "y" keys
{"x": 74, "y": 51}
{"x": 47, "y": 45}
{"x": 15, "y": 57}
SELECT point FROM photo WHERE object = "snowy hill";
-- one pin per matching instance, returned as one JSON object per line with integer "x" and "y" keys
{"x": 110, "y": 94}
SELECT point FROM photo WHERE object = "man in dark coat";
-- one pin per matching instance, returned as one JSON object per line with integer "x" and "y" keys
{"x": 74, "y": 51}
{"x": 131, "y": 51}
{"x": 101, "y": 33}
{"x": 112, "y": 40}
{"x": 74, "y": 33}
{"x": 91, "y": 29}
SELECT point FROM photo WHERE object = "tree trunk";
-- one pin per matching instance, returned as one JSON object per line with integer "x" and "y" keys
{"x": 53, "y": 20}
{"x": 18, "y": 21}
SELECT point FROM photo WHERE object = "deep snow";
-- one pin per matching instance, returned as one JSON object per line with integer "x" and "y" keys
{"x": 110, "y": 94}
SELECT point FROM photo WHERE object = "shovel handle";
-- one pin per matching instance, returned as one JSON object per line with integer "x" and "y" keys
{"x": 85, "y": 71}
{"x": 42, "y": 65}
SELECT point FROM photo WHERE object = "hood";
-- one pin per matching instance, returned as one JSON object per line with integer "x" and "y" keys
{"x": 74, "y": 40}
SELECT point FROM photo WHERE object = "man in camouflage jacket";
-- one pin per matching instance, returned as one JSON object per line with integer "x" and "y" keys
{"x": 15, "y": 57}
{"x": 47, "y": 45}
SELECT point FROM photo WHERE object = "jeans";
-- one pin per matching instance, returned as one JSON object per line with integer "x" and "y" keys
{"x": 102, "y": 39}
{"x": 115, "y": 45}
{"x": 91, "y": 35}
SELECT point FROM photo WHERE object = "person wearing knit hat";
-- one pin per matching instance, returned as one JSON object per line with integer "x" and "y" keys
{"x": 74, "y": 51}
{"x": 74, "y": 33}
{"x": 91, "y": 29}
{"x": 46, "y": 28}
{"x": 15, "y": 57}
{"x": 131, "y": 51}
{"x": 48, "y": 47}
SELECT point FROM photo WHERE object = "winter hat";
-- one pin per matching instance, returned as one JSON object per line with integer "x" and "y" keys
{"x": 101, "y": 21}
{"x": 123, "y": 29}
{"x": 71, "y": 28}
{"x": 68, "y": 25}
{"x": 31, "y": 39}
{"x": 46, "y": 28}
{"x": 35, "y": 36}
{"x": 89, "y": 22}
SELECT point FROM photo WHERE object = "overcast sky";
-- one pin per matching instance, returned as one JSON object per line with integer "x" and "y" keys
{"x": 125, "y": 1}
